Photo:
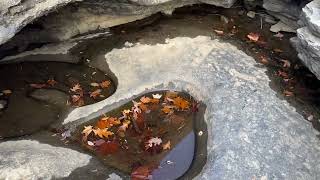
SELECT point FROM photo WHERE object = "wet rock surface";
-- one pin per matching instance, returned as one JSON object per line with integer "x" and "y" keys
{"x": 15, "y": 15}
{"x": 307, "y": 42}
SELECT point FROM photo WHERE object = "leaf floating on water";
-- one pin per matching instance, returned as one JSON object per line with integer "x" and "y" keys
{"x": 181, "y": 103}
{"x": 145, "y": 100}
{"x": 102, "y": 133}
{"x": 76, "y": 87}
{"x": 77, "y": 100}
{"x": 51, "y": 82}
{"x": 87, "y": 130}
{"x": 286, "y": 63}
{"x": 155, "y": 141}
{"x": 166, "y": 146}
{"x": 167, "y": 109}
{"x": 253, "y": 36}
{"x": 107, "y": 122}
{"x": 95, "y": 93}
{"x": 105, "y": 84}
{"x": 124, "y": 126}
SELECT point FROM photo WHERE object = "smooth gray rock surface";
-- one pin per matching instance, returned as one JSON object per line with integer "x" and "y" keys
{"x": 307, "y": 42}
{"x": 26, "y": 159}
{"x": 252, "y": 133}
{"x": 16, "y": 14}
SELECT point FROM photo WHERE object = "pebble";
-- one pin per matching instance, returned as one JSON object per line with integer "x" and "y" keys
{"x": 251, "y": 14}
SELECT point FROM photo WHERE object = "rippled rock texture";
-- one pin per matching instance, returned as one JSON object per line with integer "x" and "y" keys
{"x": 307, "y": 42}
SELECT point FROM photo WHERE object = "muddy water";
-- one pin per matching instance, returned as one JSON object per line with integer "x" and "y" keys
{"x": 28, "y": 109}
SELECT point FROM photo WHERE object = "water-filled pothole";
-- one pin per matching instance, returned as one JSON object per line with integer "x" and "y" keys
{"x": 35, "y": 94}
{"x": 160, "y": 135}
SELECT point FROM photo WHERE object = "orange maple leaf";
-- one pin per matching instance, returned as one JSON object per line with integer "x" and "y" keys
{"x": 105, "y": 84}
{"x": 107, "y": 122}
{"x": 181, "y": 103}
{"x": 145, "y": 100}
{"x": 167, "y": 109}
{"x": 102, "y": 133}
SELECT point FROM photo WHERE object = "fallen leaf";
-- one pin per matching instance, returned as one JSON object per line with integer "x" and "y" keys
{"x": 87, "y": 130}
{"x": 107, "y": 122}
{"x": 263, "y": 59}
{"x": 253, "y": 36}
{"x": 156, "y": 96}
{"x": 155, "y": 141}
{"x": 286, "y": 63}
{"x": 99, "y": 142}
{"x": 51, "y": 82}
{"x": 141, "y": 173}
{"x": 76, "y": 87}
{"x": 94, "y": 84}
{"x": 66, "y": 134}
{"x": 7, "y": 92}
{"x": 277, "y": 50}
{"x": 167, "y": 109}
{"x": 102, "y": 133}
{"x": 95, "y": 93}
{"x": 77, "y": 100}
{"x": 195, "y": 106}
{"x": 288, "y": 93}
{"x": 181, "y": 103}
{"x": 145, "y": 100}
{"x": 155, "y": 101}
{"x": 219, "y": 32}
{"x": 105, "y": 84}
{"x": 90, "y": 143}
{"x": 310, "y": 118}
{"x": 143, "y": 107}
{"x": 38, "y": 86}
{"x": 124, "y": 126}
{"x": 166, "y": 146}
{"x": 108, "y": 148}
{"x": 283, "y": 74}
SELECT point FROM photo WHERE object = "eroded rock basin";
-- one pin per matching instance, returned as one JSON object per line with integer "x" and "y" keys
{"x": 154, "y": 136}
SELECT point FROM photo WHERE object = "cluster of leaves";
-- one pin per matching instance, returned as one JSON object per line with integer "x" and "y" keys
{"x": 106, "y": 135}
{"x": 76, "y": 91}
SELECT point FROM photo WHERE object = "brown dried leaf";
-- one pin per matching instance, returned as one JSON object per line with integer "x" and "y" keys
{"x": 102, "y": 133}
{"x": 286, "y": 63}
{"x": 166, "y": 146}
{"x": 51, "y": 82}
{"x": 95, "y": 93}
{"x": 145, "y": 100}
{"x": 181, "y": 103}
{"x": 219, "y": 32}
{"x": 288, "y": 93}
{"x": 76, "y": 87}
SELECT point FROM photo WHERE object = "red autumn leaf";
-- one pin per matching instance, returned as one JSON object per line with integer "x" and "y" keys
{"x": 141, "y": 173}
{"x": 38, "y": 86}
{"x": 253, "y": 36}
{"x": 109, "y": 147}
